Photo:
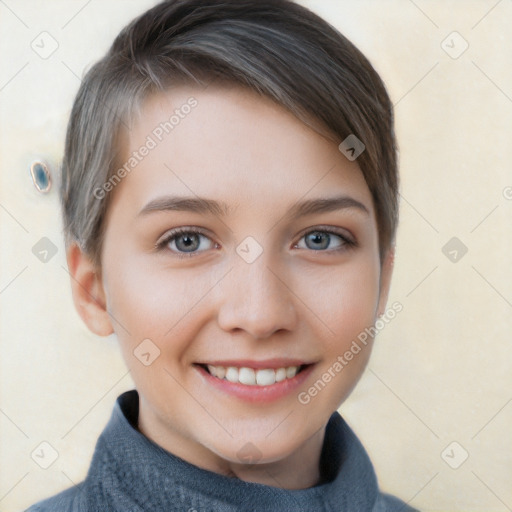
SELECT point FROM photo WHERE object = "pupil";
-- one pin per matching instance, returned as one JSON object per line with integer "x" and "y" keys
{"x": 188, "y": 242}
{"x": 316, "y": 238}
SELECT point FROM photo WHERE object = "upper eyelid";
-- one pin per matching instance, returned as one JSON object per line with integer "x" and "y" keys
{"x": 328, "y": 229}
{"x": 173, "y": 233}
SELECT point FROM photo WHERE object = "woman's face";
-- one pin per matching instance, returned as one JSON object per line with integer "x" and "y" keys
{"x": 275, "y": 270}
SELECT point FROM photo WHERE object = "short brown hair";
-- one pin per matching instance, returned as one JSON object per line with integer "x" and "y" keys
{"x": 276, "y": 47}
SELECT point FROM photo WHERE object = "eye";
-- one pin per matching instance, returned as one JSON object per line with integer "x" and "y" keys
{"x": 188, "y": 241}
{"x": 185, "y": 242}
{"x": 321, "y": 239}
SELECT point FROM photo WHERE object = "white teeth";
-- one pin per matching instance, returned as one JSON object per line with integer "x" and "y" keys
{"x": 253, "y": 377}
{"x": 291, "y": 371}
{"x": 265, "y": 377}
{"x": 232, "y": 374}
{"x": 280, "y": 374}
{"x": 247, "y": 376}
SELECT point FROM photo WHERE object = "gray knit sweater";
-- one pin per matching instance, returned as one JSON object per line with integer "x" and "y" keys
{"x": 130, "y": 473}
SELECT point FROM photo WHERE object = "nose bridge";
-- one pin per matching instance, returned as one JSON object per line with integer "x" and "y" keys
{"x": 255, "y": 298}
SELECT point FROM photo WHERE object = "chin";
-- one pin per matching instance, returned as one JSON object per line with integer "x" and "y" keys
{"x": 258, "y": 449}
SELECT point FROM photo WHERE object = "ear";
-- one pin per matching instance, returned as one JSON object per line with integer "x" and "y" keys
{"x": 385, "y": 280}
{"x": 88, "y": 292}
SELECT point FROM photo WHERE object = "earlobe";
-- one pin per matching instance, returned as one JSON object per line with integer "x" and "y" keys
{"x": 88, "y": 292}
{"x": 385, "y": 280}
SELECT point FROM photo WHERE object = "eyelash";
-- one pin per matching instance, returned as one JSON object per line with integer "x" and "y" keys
{"x": 175, "y": 233}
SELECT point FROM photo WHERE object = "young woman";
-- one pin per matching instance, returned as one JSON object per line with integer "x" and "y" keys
{"x": 229, "y": 191}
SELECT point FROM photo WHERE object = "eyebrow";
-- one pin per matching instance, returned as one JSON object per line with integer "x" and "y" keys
{"x": 203, "y": 205}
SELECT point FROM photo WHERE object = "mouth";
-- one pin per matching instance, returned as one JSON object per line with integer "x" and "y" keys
{"x": 256, "y": 381}
{"x": 250, "y": 376}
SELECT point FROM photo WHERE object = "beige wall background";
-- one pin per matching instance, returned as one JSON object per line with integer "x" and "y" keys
{"x": 434, "y": 408}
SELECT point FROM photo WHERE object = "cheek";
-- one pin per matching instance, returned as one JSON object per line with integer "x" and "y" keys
{"x": 345, "y": 298}
{"x": 348, "y": 309}
{"x": 148, "y": 302}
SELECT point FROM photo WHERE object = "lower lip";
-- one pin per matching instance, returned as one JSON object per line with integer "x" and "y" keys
{"x": 260, "y": 394}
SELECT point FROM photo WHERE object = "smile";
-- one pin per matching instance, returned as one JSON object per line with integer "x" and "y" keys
{"x": 256, "y": 381}
{"x": 252, "y": 376}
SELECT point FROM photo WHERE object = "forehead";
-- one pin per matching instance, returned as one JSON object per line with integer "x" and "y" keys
{"x": 233, "y": 144}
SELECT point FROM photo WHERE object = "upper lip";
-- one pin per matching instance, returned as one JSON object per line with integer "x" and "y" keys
{"x": 278, "y": 362}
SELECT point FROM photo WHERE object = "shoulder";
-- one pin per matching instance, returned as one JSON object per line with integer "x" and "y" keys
{"x": 387, "y": 503}
{"x": 66, "y": 501}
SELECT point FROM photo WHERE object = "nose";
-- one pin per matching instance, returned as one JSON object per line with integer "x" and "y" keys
{"x": 256, "y": 299}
